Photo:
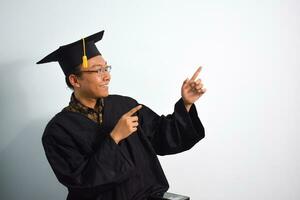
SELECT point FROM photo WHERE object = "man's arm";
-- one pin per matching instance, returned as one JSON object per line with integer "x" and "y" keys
{"x": 77, "y": 170}
{"x": 181, "y": 130}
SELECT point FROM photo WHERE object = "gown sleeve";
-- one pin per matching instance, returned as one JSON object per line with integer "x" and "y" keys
{"x": 78, "y": 171}
{"x": 174, "y": 133}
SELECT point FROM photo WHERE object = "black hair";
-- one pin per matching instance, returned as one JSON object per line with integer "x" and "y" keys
{"x": 76, "y": 72}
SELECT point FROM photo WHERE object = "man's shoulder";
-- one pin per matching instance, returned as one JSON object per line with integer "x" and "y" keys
{"x": 63, "y": 115}
{"x": 63, "y": 121}
{"x": 116, "y": 98}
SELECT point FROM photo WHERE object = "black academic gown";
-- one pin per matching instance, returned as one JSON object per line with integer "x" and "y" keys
{"x": 92, "y": 166}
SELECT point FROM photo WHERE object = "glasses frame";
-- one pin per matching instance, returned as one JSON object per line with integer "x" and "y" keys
{"x": 100, "y": 71}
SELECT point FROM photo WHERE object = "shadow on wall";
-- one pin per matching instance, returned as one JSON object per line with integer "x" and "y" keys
{"x": 24, "y": 170}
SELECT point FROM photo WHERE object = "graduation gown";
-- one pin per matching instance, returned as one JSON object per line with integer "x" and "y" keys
{"x": 92, "y": 166}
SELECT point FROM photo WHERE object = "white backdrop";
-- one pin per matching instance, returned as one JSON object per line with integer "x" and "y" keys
{"x": 249, "y": 51}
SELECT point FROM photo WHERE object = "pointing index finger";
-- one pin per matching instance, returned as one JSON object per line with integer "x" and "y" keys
{"x": 133, "y": 110}
{"x": 196, "y": 74}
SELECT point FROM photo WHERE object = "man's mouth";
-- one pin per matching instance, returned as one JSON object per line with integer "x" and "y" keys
{"x": 105, "y": 85}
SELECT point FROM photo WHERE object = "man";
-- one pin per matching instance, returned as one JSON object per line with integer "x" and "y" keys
{"x": 105, "y": 146}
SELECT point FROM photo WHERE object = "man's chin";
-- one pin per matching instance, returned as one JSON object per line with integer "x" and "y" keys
{"x": 103, "y": 95}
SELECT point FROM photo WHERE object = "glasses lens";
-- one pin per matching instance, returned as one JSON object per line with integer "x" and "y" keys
{"x": 108, "y": 68}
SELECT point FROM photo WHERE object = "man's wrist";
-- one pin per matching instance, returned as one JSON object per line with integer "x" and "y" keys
{"x": 187, "y": 105}
{"x": 114, "y": 137}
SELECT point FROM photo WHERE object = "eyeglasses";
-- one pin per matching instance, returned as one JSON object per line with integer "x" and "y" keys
{"x": 100, "y": 71}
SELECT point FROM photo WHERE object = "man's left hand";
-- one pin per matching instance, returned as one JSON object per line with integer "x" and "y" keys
{"x": 192, "y": 90}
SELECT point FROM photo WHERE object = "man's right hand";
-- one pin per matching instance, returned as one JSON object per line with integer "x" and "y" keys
{"x": 126, "y": 125}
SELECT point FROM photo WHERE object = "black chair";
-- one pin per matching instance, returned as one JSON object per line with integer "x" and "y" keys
{"x": 169, "y": 196}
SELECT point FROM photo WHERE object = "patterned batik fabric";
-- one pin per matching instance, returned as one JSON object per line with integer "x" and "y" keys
{"x": 93, "y": 114}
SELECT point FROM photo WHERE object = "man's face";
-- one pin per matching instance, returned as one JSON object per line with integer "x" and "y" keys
{"x": 94, "y": 84}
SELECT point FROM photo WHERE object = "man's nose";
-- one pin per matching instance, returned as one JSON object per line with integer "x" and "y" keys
{"x": 106, "y": 76}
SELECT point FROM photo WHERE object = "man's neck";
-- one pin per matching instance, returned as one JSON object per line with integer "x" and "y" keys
{"x": 88, "y": 102}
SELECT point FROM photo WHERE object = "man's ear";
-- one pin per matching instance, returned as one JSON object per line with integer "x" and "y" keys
{"x": 74, "y": 80}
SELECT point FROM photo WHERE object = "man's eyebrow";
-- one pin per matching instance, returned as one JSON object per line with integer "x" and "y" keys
{"x": 98, "y": 65}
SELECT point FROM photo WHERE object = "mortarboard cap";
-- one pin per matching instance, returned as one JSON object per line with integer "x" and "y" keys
{"x": 72, "y": 55}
